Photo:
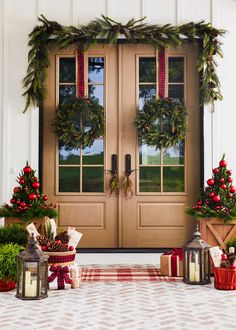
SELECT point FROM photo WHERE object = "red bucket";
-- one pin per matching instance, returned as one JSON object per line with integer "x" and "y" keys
{"x": 7, "y": 285}
{"x": 225, "y": 278}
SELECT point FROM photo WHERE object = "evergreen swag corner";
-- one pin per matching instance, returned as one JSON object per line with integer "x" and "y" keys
{"x": 105, "y": 30}
{"x": 218, "y": 199}
{"x": 27, "y": 202}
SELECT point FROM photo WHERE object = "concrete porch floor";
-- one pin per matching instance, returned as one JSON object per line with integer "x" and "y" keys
{"x": 123, "y": 305}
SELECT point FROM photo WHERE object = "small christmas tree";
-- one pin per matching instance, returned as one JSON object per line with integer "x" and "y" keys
{"x": 218, "y": 199}
{"x": 27, "y": 201}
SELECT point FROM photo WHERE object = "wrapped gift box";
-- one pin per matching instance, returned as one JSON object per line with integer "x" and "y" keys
{"x": 75, "y": 274}
{"x": 59, "y": 277}
{"x": 172, "y": 263}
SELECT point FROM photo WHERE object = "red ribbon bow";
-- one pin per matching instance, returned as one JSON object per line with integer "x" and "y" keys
{"x": 62, "y": 275}
{"x": 174, "y": 253}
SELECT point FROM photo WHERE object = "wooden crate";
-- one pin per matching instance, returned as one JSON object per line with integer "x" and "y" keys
{"x": 38, "y": 222}
{"x": 216, "y": 232}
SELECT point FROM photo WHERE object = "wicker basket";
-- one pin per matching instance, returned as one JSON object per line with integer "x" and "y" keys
{"x": 61, "y": 258}
{"x": 225, "y": 278}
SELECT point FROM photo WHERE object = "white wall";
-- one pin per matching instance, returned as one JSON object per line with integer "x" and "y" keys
{"x": 19, "y": 132}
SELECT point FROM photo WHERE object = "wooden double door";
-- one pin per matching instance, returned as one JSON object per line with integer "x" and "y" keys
{"x": 121, "y": 78}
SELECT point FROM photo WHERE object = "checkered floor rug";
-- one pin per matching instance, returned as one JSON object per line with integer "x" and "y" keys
{"x": 124, "y": 273}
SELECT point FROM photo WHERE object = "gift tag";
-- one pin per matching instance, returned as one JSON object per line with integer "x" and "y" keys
{"x": 75, "y": 237}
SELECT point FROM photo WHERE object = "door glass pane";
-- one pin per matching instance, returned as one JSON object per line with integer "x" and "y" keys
{"x": 93, "y": 179}
{"x": 173, "y": 179}
{"x": 149, "y": 179}
{"x": 149, "y": 155}
{"x": 69, "y": 157}
{"x": 147, "y": 69}
{"x": 174, "y": 155}
{"x": 67, "y": 70}
{"x": 69, "y": 179}
{"x": 146, "y": 92}
{"x": 96, "y": 70}
{"x": 96, "y": 93}
{"x": 94, "y": 154}
{"x": 176, "y": 69}
{"x": 176, "y": 92}
{"x": 66, "y": 92}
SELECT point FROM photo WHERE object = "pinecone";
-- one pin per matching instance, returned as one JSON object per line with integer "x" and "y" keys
{"x": 63, "y": 237}
{"x": 225, "y": 264}
{"x": 52, "y": 246}
{"x": 42, "y": 240}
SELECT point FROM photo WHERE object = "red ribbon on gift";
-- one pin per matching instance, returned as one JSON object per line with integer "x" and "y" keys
{"x": 62, "y": 274}
{"x": 177, "y": 252}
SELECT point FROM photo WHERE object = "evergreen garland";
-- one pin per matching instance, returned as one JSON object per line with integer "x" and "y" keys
{"x": 79, "y": 122}
{"x": 105, "y": 30}
{"x": 161, "y": 123}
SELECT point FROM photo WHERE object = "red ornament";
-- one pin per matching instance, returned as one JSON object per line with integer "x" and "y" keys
{"x": 27, "y": 169}
{"x": 16, "y": 190}
{"x": 199, "y": 202}
{"x": 229, "y": 180}
{"x": 22, "y": 204}
{"x": 210, "y": 182}
{"x": 58, "y": 241}
{"x": 216, "y": 170}
{"x": 32, "y": 196}
{"x": 223, "y": 163}
{"x": 44, "y": 248}
{"x": 224, "y": 256}
{"x": 18, "y": 201}
{"x": 12, "y": 200}
{"x": 71, "y": 248}
{"x": 229, "y": 195}
{"x": 216, "y": 199}
{"x": 232, "y": 189}
{"x": 222, "y": 180}
{"x": 21, "y": 181}
{"x": 36, "y": 185}
{"x": 45, "y": 197}
{"x": 229, "y": 172}
{"x": 211, "y": 194}
{"x": 223, "y": 186}
{"x": 35, "y": 178}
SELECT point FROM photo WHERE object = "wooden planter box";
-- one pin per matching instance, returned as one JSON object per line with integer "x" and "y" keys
{"x": 215, "y": 232}
{"x": 38, "y": 222}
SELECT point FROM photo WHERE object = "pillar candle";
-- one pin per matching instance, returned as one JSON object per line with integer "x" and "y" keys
{"x": 192, "y": 271}
{"x": 27, "y": 277}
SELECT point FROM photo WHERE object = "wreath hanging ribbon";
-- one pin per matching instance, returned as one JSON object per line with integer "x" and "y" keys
{"x": 79, "y": 122}
{"x": 161, "y": 123}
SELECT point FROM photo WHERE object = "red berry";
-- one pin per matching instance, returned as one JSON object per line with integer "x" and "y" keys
{"x": 21, "y": 181}
{"x": 12, "y": 200}
{"x": 210, "y": 182}
{"x": 223, "y": 186}
{"x": 36, "y": 185}
{"x": 27, "y": 169}
{"x": 216, "y": 199}
{"x": 16, "y": 189}
{"x": 232, "y": 189}
{"x": 22, "y": 204}
{"x": 44, "y": 248}
{"x": 230, "y": 195}
{"x": 230, "y": 179}
{"x": 216, "y": 170}
{"x": 45, "y": 197}
{"x": 229, "y": 172}
{"x": 199, "y": 202}
{"x": 58, "y": 241}
{"x": 221, "y": 180}
{"x": 211, "y": 194}
{"x": 32, "y": 196}
{"x": 71, "y": 248}
{"x": 223, "y": 163}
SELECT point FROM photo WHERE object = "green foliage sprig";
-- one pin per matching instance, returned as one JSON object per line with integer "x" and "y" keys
{"x": 73, "y": 116}
{"x": 8, "y": 254}
{"x": 13, "y": 234}
{"x": 107, "y": 31}
{"x": 161, "y": 123}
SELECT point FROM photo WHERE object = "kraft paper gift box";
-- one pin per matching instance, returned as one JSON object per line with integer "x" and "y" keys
{"x": 172, "y": 263}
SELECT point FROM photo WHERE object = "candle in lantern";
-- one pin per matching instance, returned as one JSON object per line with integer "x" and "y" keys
{"x": 192, "y": 271}
{"x": 27, "y": 277}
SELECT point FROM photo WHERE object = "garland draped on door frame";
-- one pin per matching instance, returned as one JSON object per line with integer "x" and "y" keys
{"x": 107, "y": 31}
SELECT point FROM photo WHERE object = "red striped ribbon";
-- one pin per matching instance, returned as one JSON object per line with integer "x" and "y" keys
{"x": 80, "y": 62}
{"x": 161, "y": 61}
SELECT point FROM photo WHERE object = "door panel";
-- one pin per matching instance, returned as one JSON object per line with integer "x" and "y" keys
{"x": 122, "y": 78}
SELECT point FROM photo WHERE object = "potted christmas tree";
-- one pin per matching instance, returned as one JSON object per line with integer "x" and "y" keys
{"x": 216, "y": 207}
{"x": 27, "y": 204}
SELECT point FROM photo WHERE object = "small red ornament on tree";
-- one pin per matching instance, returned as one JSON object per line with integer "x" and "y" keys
{"x": 216, "y": 170}
{"x": 210, "y": 182}
{"x": 223, "y": 186}
{"x": 223, "y": 163}
{"x": 32, "y": 196}
{"x": 22, "y": 181}
{"x": 222, "y": 180}
{"x": 229, "y": 179}
{"x": 216, "y": 199}
{"x": 211, "y": 194}
{"x": 27, "y": 169}
{"x": 45, "y": 197}
{"x": 229, "y": 172}
{"x": 16, "y": 190}
{"x": 22, "y": 204}
{"x": 232, "y": 189}
{"x": 12, "y": 200}
{"x": 36, "y": 185}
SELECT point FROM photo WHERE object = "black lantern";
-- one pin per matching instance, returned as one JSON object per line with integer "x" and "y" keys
{"x": 32, "y": 273}
{"x": 197, "y": 261}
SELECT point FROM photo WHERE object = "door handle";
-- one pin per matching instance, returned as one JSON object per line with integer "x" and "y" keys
{"x": 114, "y": 164}
{"x": 128, "y": 165}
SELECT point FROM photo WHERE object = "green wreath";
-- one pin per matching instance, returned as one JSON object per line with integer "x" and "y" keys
{"x": 79, "y": 122}
{"x": 161, "y": 123}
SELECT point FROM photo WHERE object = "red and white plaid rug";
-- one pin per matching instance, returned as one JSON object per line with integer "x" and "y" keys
{"x": 124, "y": 273}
